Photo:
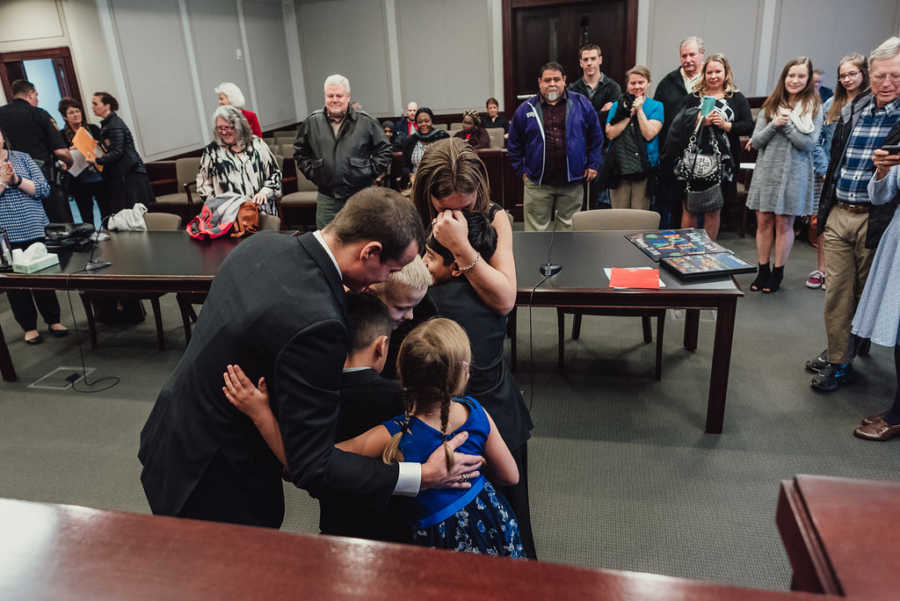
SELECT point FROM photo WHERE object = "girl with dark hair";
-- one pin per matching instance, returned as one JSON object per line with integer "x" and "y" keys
{"x": 472, "y": 132}
{"x": 22, "y": 216}
{"x": 786, "y": 133}
{"x": 123, "y": 170}
{"x": 88, "y": 184}
{"x": 425, "y": 134}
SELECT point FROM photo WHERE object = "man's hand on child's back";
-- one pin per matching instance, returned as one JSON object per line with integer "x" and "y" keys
{"x": 241, "y": 392}
{"x": 465, "y": 467}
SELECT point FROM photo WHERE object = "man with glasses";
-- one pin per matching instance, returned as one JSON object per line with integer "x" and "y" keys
{"x": 853, "y": 225}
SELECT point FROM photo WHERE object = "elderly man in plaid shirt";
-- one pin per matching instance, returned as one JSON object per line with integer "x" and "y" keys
{"x": 853, "y": 225}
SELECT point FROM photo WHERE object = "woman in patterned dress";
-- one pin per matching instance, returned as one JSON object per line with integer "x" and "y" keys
{"x": 237, "y": 162}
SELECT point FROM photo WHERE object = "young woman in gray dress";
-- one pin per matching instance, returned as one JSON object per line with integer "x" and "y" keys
{"x": 786, "y": 133}
{"x": 878, "y": 312}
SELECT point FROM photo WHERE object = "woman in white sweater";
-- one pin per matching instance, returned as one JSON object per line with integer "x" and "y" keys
{"x": 787, "y": 129}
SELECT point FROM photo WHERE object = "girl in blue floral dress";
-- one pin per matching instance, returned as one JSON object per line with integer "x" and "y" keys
{"x": 433, "y": 365}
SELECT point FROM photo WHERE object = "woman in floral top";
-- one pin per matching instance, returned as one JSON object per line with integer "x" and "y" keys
{"x": 237, "y": 162}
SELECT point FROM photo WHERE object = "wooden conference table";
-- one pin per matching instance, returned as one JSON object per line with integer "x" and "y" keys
{"x": 68, "y": 552}
{"x": 582, "y": 282}
{"x": 840, "y": 535}
{"x": 173, "y": 262}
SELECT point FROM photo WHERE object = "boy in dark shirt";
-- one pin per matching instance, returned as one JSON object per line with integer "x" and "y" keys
{"x": 490, "y": 381}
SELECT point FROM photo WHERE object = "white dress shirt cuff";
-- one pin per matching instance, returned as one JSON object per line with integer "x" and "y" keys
{"x": 409, "y": 480}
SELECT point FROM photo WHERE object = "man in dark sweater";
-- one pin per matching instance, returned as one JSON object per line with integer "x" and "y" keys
{"x": 602, "y": 91}
{"x": 671, "y": 91}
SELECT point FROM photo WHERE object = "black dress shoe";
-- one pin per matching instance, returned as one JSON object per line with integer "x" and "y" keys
{"x": 36, "y": 340}
{"x": 58, "y": 333}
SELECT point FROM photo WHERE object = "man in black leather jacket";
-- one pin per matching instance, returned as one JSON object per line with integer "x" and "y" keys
{"x": 339, "y": 149}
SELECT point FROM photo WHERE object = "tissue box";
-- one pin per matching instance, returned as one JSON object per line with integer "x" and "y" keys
{"x": 37, "y": 264}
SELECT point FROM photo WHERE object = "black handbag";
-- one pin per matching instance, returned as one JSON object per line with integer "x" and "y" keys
{"x": 702, "y": 173}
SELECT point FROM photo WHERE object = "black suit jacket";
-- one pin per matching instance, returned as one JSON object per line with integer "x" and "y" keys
{"x": 276, "y": 308}
{"x": 367, "y": 400}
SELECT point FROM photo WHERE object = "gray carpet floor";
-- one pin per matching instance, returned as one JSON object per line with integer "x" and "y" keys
{"x": 621, "y": 473}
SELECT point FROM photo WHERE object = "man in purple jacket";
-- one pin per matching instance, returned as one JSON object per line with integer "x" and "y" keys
{"x": 555, "y": 143}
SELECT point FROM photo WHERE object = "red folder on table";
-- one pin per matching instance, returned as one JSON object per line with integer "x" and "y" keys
{"x": 624, "y": 277}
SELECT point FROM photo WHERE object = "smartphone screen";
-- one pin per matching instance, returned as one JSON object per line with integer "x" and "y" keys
{"x": 709, "y": 103}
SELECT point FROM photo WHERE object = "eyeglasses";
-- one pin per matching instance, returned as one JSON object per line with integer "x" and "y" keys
{"x": 224, "y": 129}
{"x": 895, "y": 77}
{"x": 851, "y": 75}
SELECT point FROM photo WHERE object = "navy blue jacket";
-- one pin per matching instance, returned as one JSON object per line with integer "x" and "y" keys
{"x": 584, "y": 138}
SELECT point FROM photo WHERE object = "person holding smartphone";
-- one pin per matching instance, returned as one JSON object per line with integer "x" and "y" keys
{"x": 728, "y": 120}
{"x": 853, "y": 225}
{"x": 878, "y": 314}
{"x": 22, "y": 189}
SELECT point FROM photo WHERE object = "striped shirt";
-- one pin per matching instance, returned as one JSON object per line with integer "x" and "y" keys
{"x": 867, "y": 136}
{"x": 21, "y": 215}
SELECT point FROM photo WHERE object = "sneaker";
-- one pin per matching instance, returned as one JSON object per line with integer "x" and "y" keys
{"x": 818, "y": 364}
{"x": 816, "y": 279}
{"x": 833, "y": 377}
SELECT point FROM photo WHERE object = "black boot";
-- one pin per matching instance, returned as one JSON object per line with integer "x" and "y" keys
{"x": 774, "y": 282}
{"x": 762, "y": 277}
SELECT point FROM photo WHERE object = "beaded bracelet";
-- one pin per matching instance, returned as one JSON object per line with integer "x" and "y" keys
{"x": 474, "y": 263}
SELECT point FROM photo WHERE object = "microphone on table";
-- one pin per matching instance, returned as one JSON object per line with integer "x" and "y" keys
{"x": 95, "y": 264}
{"x": 549, "y": 268}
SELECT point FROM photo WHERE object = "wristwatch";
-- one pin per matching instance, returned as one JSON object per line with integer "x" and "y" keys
{"x": 16, "y": 184}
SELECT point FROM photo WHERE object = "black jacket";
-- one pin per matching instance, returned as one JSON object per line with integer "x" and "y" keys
{"x": 121, "y": 157}
{"x": 30, "y": 129}
{"x": 607, "y": 91}
{"x": 400, "y": 129}
{"x": 367, "y": 400}
{"x": 671, "y": 92}
{"x": 277, "y": 309}
{"x": 344, "y": 164}
{"x": 879, "y": 215}
{"x": 741, "y": 126}
{"x": 501, "y": 121}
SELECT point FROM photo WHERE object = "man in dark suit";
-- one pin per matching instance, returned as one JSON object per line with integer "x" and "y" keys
{"x": 277, "y": 309}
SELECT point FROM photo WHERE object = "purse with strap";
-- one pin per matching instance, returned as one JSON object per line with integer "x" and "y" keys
{"x": 702, "y": 173}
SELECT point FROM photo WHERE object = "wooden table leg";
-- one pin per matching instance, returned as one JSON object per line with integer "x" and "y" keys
{"x": 721, "y": 361}
{"x": 6, "y": 365}
{"x": 691, "y": 328}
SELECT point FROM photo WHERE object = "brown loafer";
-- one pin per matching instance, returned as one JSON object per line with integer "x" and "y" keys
{"x": 873, "y": 418}
{"x": 880, "y": 430}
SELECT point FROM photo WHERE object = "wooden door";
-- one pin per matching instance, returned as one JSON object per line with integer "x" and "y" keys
{"x": 538, "y": 31}
{"x": 11, "y": 69}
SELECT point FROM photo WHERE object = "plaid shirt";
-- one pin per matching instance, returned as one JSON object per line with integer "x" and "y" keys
{"x": 873, "y": 126}
{"x": 556, "y": 173}
{"x": 23, "y": 216}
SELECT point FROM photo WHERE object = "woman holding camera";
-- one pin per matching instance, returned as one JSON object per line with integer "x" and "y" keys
{"x": 786, "y": 133}
{"x": 633, "y": 123}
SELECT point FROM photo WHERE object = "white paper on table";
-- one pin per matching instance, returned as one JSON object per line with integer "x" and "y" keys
{"x": 79, "y": 163}
{"x": 608, "y": 272}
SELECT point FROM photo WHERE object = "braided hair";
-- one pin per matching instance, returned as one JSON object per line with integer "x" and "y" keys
{"x": 433, "y": 365}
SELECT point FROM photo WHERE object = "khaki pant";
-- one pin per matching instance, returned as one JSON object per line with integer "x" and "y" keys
{"x": 540, "y": 200}
{"x": 326, "y": 208}
{"x": 847, "y": 262}
{"x": 631, "y": 194}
